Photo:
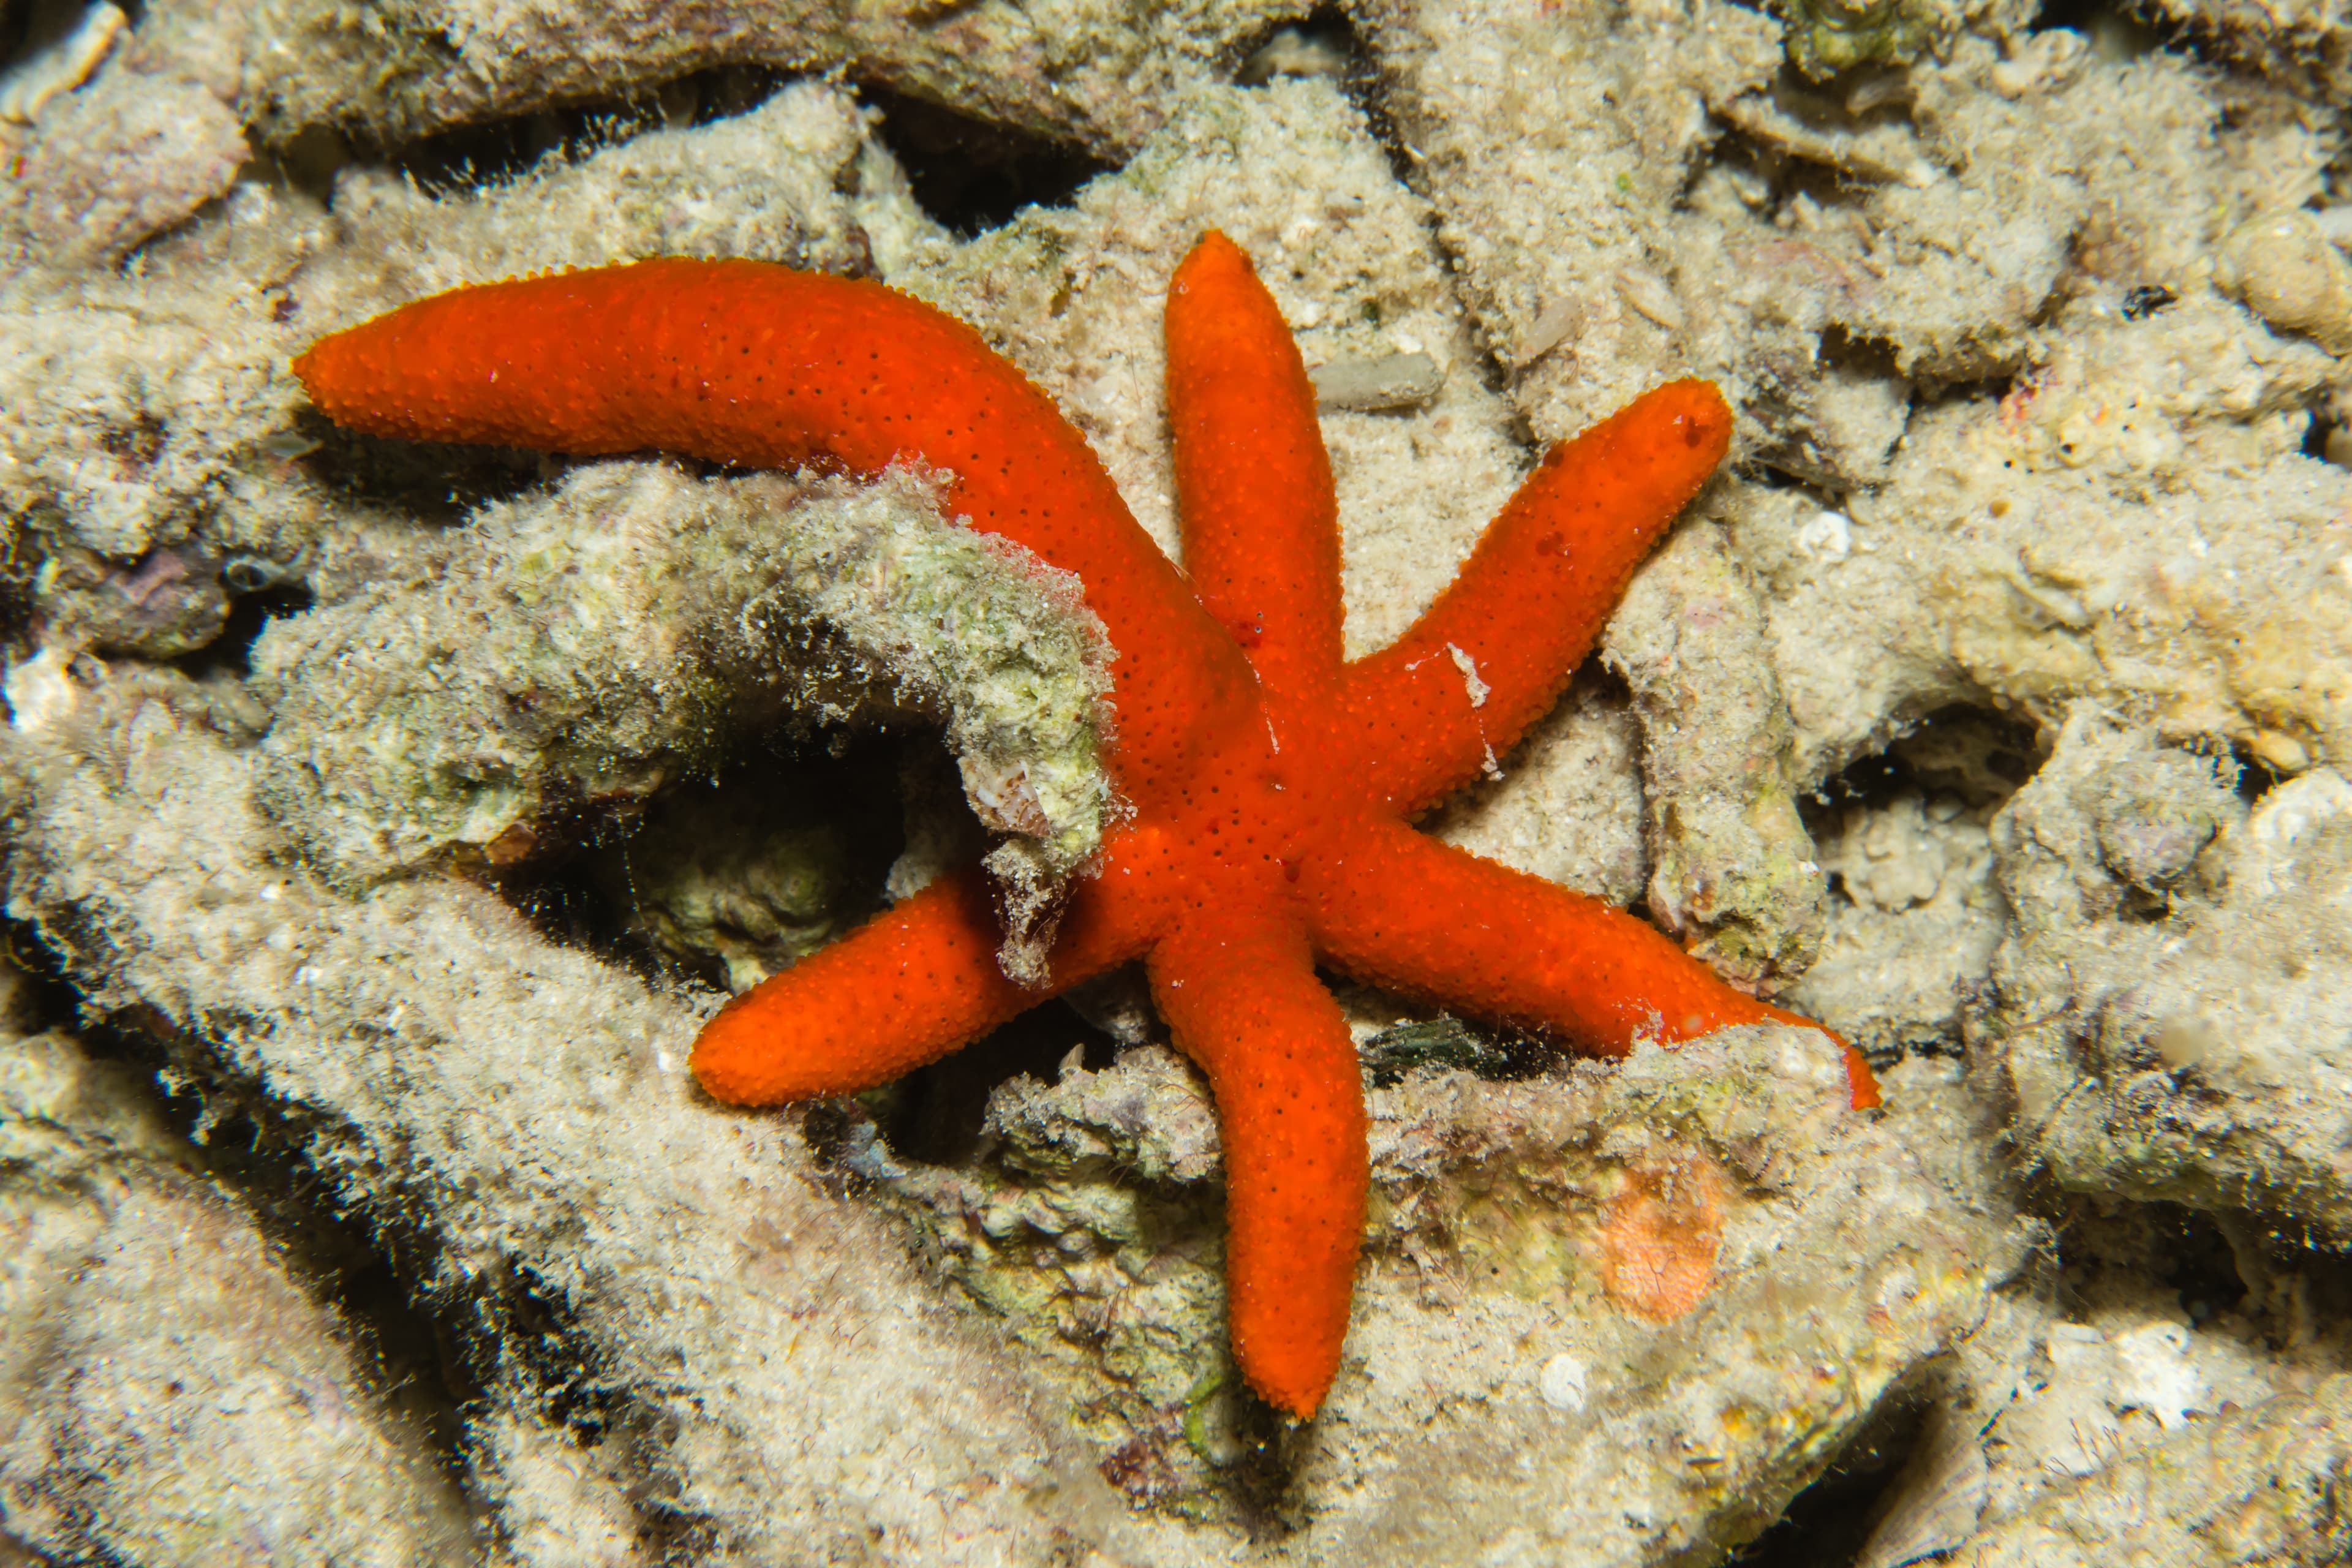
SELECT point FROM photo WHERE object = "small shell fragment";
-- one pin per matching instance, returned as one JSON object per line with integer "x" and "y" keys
{"x": 2281, "y": 267}
{"x": 1651, "y": 296}
{"x": 1561, "y": 320}
{"x": 1888, "y": 152}
{"x": 1561, "y": 1382}
{"x": 1372, "y": 385}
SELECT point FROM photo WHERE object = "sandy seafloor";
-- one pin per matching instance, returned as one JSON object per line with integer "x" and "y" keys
{"x": 379, "y": 820}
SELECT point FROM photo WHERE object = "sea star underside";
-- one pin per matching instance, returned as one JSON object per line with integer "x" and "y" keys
{"x": 1272, "y": 781}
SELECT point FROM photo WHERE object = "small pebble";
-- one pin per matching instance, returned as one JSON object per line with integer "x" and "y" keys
{"x": 1828, "y": 537}
{"x": 1561, "y": 1384}
{"x": 2283, "y": 269}
{"x": 1374, "y": 385}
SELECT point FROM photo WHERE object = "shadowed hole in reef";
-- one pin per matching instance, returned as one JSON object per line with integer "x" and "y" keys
{"x": 723, "y": 880}
{"x": 434, "y": 484}
{"x": 934, "y": 1113}
{"x": 2116, "y": 31}
{"x": 1323, "y": 46}
{"x": 1829, "y": 1524}
{"x": 1443, "y": 1043}
{"x": 2256, "y": 778}
{"x": 250, "y": 612}
{"x": 2111, "y": 1248}
{"x": 1978, "y": 754}
{"x": 970, "y": 174}
{"x": 2322, "y": 425}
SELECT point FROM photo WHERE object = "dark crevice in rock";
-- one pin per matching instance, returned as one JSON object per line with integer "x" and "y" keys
{"x": 970, "y": 174}
{"x": 1447, "y": 1043}
{"x": 591, "y": 878}
{"x": 2323, "y": 425}
{"x": 230, "y": 653}
{"x": 1827, "y": 1524}
{"x": 2256, "y": 778}
{"x": 2117, "y": 30}
{"x": 2110, "y": 1246}
{"x": 1325, "y": 45}
{"x": 934, "y": 1113}
{"x": 428, "y": 483}
{"x": 44, "y": 999}
{"x": 1977, "y": 753}
{"x": 1844, "y": 349}
{"x": 27, "y": 28}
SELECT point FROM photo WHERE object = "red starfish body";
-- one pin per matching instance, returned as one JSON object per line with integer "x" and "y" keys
{"x": 1272, "y": 781}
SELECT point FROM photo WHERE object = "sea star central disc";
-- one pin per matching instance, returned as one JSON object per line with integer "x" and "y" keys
{"x": 1273, "y": 782}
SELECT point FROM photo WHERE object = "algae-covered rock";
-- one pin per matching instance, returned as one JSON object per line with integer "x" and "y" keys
{"x": 146, "y": 424}
{"x": 1912, "y": 921}
{"x": 2136, "y": 525}
{"x": 120, "y": 164}
{"x": 156, "y": 465}
{"x": 1954, "y": 199}
{"x": 1570, "y": 806}
{"x": 1826, "y": 37}
{"x": 1733, "y": 872}
{"x": 596, "y": 643}
{"x": 2303, "y": 44}
{"x": 1101, "y": 73}
{"x": 1641, "y": 1235}
{"x": 797, "y": 178}
{"x": 2171, "y": 1008}
{"x": 2154, "y": 1370}
{"x": 2284, "y": 268}
{"x": 171, "y": 1388}
{"x": 594, "y": 1233}
{"x": 2256, "y": 1485}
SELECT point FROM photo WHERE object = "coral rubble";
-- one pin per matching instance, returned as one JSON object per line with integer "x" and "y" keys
{"x": 357, "y": 804}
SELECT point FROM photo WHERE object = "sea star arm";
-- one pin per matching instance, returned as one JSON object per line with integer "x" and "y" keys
{"x": 904, "y": 989}
{"x": 1241, "y": 997}
{"x": 1252, "y": 482}
{"x": 753, "y": 363}
{"x": 1402, "y": 910}
{"x": 1491, "y": 655}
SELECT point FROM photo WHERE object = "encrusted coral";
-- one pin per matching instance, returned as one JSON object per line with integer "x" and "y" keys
{"x": 521, "y": 1114}
{"x": 596, "y": 643}
{"x": 1102, "y": 74}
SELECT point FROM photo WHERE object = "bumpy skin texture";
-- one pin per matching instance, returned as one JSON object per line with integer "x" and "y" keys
{"x": 1272, "y": 781}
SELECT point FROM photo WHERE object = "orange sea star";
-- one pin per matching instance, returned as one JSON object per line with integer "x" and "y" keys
{"x": 1272, "y": 781}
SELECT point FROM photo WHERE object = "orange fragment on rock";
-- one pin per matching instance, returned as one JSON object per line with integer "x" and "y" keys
{"x": 1659, "y": 1235}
